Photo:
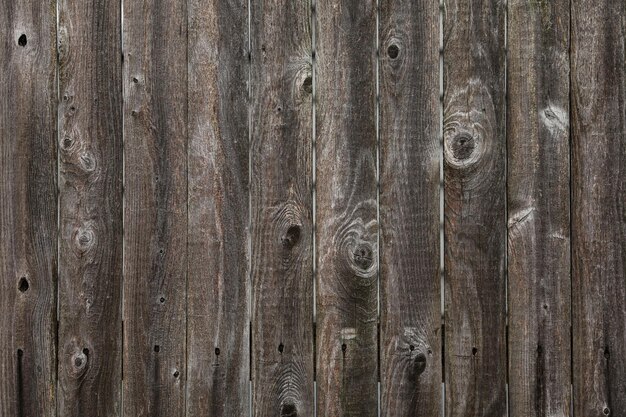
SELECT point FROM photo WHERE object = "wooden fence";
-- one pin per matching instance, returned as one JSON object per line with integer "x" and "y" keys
{"x": 345, "y": 208}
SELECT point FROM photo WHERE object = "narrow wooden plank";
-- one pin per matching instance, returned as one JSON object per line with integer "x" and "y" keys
{"x": 90, "y": 199}
{"x": 347, "y": 227}
{"x": 282, "y": 220}
{"x": 598, "y": 206}
{"x": 28, "y": 208}
{"x": 410, "y": 339}
{"x": 474, "y": 211}
{"x": 539, "y": 284}
{"x": 155, "y": 207}
{"x": 218, "y": 290}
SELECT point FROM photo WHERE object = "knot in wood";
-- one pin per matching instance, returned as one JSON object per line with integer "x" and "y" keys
{"x": 288, "y": 410}
{"x": 84, "y": 238}
{"x": 420, "y": 363}
{"x": 291, "y": 237}
{"x": 363, "y": 256}
{"x": 87, "y": 161}
{"x": 462, "y": 146}
{"x": 307, "y": 85}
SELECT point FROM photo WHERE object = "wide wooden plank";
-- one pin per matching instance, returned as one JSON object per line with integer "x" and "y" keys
{"x": 346, "y": 194}
{"x": 90, "y": 199}
{"x": 155, "y": 207}
{"x": 218, "y": 290}
{"x": 539, "y": 281}
{"x": 474, "y": 211}
{"x": 410, "y": 152}
{"x": 599, "y": 207}
{"x": 282, "y": 220}
{"x": 28, "y": 208}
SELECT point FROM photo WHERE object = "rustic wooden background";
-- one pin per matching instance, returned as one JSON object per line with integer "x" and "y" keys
{"x": 339, "y": 208}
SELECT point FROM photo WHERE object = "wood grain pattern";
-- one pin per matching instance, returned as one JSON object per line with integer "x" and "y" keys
{"x": 474, "y": 211}
{"x": 347, "y": 227}
{"x": 539, "y": 281}
{"x": 598, "y": 207}
{"x": 155, "y": 207}
{"x": 90, "y": 200}
{"x": 282, "y": 220}
{"x": 410, "y": 339}
{"x": 217, "y": 312}
{"x": 28, "y": 209}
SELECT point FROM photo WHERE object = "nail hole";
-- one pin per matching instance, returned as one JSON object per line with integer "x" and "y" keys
{"x": 393, "y": 51}
{"x": 157, "y": 348}
{"x": 176, "y": 374}
{"x": 22, "y": 40}
{"x": 606, "y": 411}
{"x": 135, "y": 80}
{"x": 162, "y": 300}
{"x": 281, "y": 347}
{"x": 474, "y": 351}
{"x": 217, "y": 351}
{"x": 411, "y": 348}
{"x": 430, "y": 352}
{"x": 23, "y": 284}
{"x": 344, "y": 347}
{"x": 20, "y": 353}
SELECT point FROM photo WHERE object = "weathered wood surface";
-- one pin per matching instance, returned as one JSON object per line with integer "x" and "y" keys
{"x": 282, "y": 219}
{"x": 474, "y": 211}
{"x": 218, "y": 291}
{"x": 28, "y": 208}
{"x": 599, "y": 207}
{"x": 90, "y": 200}
{"x": 347, "y": 227}
{"x": 155, "y": 207}
{"x": 410, "y": 154}
{"x": 539, "y": 281}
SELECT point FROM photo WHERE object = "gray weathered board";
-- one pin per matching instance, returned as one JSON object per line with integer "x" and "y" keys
{"x": 398, "y": 208}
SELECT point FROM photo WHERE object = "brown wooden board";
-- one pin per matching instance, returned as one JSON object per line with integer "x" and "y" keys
{"x": 346, "y": 194}
{"x": 90, "y": 200}
{"x": 282, "y": 220}
{"x": 539, "y": 282}
{"x": 28, "y": 208}
{"x": 155, "y": 207}
{"x": 598, "y": 77}
{"x": 410, "y": 155}
{"x": 218, "y": 292}
{"x": 474, "y": 210}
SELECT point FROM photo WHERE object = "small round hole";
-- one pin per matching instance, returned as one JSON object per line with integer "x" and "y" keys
{"x": 281, "y": 348}
{"x": 606, "y": 411}
{"x": 86, "y": 352}
{"x": 217, "y": 351}
{"x": 411, "y": 348}
{"x": 162, "y": 300}
{"x": 344, "y": 347}
{"x": 23, "y": 284}
{"x": 176, "y": 374}
{"x": 157, "y": 348}
{"x": 474, "y": 351}
{"x": 22, "y": 41}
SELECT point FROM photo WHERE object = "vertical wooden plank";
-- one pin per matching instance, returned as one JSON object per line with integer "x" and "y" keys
{"x": 218, "y": 316}
{"x": 155, "y": 207}
{"x": 598, "y": 206}
{"x": 538, "y": 209}
{"x": 90, "y": 175}
{"x": 410, "y": 339}
{"x": 347, "y": 227}
{"x": 28, "y": 208}
{"x": 281, "y": 194}
{"x": 474, "y": 225}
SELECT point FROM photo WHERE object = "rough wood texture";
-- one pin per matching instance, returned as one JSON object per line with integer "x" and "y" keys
{"x": 28, "y": 209}
{"x": 598, "y": 206}
{"x": 217, "y": 313}
{"x": 538, "y": 209}
{"x": 475, "y": 224}
{"x": 347, "y": 229}
{"x": 155, "y": 207}
{"x": 90, "y": 199}
{"x": 281, "y": 194}
{"x": 410, "y": 339}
